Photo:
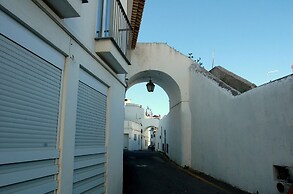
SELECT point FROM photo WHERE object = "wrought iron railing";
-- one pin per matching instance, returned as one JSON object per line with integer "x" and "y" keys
{"x": 113, "y": 22}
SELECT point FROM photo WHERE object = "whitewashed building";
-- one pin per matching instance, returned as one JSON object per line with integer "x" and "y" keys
{"x": 240, "y": 135}
{"x": 62, "y": 85}
{"x": 138, "y": 127}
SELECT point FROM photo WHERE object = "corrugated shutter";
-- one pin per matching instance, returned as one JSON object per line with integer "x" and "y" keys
{"x": 89, "y": 161}
{"x": 29, "y": 108}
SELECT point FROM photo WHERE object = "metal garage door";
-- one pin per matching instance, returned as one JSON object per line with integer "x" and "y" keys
{"x": 29, "y": 107}
{"x": 89, "y": 161}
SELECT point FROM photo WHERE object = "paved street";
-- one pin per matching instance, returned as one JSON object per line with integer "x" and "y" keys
{"x": 148, "y": 172}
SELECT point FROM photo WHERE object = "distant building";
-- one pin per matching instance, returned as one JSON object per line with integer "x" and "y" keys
{"x": 238, "y": 83}
{"x": 139, "y": 128}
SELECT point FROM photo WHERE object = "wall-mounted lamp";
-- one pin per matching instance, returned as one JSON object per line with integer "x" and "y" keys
{"x": 150, "y": 86}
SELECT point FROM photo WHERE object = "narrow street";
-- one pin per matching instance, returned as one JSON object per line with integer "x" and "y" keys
{"x": 148, "y": 172}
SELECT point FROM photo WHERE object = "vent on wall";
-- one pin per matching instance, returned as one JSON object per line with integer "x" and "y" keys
{"x": 283, "y": 176}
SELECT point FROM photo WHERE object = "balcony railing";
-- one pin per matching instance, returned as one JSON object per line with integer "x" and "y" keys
{"x": 113, "y": 23}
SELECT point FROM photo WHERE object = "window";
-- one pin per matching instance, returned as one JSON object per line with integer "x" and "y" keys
{"x": 135, "y": 137}
{"x": 103, "y": 23}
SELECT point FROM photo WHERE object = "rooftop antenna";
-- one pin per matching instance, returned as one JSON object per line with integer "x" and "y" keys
{"x": 213, "y": 58}
{"x": 270, "y": 72}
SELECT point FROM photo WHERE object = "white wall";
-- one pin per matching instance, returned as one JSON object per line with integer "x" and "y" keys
{"x": 177, "y": 137}
{"x": 159, "y": 136}
{"x": 133, "y": 129}
{"x": 85, "y": 26}
{"x": 135, "y": 121}
{"x": 134, "y": 112}
{"x": 115, "y": 139}
{"x": 74, "y": 39}
{"x": 161, "y": 62}
{"x": 239, "y": 139}
{"x": 171, "y": 123}
{"x": 149, "y": 122}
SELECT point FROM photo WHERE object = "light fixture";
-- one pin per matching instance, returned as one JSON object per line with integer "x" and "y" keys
{"x": 150, "y": 86}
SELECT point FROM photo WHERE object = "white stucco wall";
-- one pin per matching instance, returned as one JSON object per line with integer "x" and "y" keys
{"x": 74, "y": 39}
{"x": 170, "y": 69}
{"x": 136, "y": 122}
{"x": 134, "y": 112}
{"x": 85, "y": 26}
{"x": 161, "y": 62}
{"x": 150, "y": 122}
{"x": 146, "y": 136}
{"x": 134, "y": 133}
{"x": 236, "y": 139}
{"x": 159, "y": 136}
{"x": 239, "y": 139}
{"x": 172, "y": 124}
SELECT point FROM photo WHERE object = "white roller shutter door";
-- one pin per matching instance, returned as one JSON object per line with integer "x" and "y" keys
{"x": 29, "y": 111}
{"x": 89, "y": 161}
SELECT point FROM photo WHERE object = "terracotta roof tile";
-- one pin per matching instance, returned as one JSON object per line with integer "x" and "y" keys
{"x": 136, "y": 16}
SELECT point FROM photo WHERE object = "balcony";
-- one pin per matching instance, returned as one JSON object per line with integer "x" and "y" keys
{"x": 65, "y": 8}
{"x": 113, "y": 35}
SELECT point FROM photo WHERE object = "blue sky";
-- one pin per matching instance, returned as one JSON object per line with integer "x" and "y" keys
{"x": 252, "y": 38}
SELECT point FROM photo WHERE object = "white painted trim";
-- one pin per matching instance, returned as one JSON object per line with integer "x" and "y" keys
{"x": 21, "y": 35}
{"x": 92, "y": 82}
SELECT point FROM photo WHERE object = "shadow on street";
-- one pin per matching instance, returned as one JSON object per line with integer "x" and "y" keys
{"x": 147, "y": 172}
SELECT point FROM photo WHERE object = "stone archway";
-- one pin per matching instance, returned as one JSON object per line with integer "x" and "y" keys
{"x": 169, "y": 69}
{"x": 159, "y": 78}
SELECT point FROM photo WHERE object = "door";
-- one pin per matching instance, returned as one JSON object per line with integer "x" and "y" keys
{"x": 29, "y": 111}
{"x": 126, "y": 141}
{"x": 90, "y": 137}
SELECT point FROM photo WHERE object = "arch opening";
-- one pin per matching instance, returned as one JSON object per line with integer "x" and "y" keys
{"x": 159, "y": 78}
{"x": 155, "y": 103}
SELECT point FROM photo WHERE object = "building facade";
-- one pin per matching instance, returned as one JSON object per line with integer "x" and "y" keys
{"x": 63, "y": 66}
{"x": 220, "y": 124}
{"x": 138, "y": 127}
